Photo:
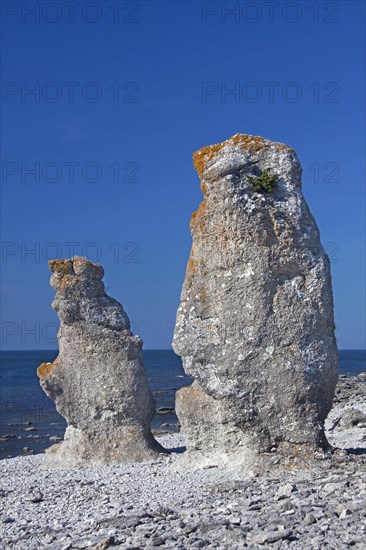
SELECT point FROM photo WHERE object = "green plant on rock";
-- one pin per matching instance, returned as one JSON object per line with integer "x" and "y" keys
{"x": 265, "y": 183}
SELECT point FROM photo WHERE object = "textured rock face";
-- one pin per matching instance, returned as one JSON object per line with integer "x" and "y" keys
{"x": 98, "y": 380}
{"x": 255, "y": 324}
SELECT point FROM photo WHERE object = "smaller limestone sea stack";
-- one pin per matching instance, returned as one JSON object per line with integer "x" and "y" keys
{"x": 255, "y": 324}
{"x": 98, "y": 380}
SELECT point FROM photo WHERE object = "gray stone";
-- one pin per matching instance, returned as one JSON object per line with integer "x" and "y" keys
{"x": 352, "y": 417}
{"x": 163, "y": 506}
{"x": 269, "y": 536}
{"x": 286, "y": 490}
{"x": 309, "y": 519}
{"x": 98, "y": 380}
{"x": 345, "y": 513}
{"x": 255, "y": 324}
{"x": 8, "y": 519}
{"x": 36, "y": 496}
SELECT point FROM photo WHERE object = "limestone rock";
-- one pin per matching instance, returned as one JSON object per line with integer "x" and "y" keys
{"x": 255, "y": 324}
{"x": 352, "y": 417}
{"x": 98, "y": 380}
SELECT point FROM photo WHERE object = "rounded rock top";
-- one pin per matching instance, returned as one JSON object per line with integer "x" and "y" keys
{"x": 78, "y": 265}
{"x": 204, "y": 157}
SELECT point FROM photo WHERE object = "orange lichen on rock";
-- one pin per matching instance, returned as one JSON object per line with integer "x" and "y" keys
{"x": 60, "y": 266}
{"x": 80, "y": 264}
{"x": 202, "y": 293}
{"x": 45, "y": 369}
{"x": 198, "y": 217}
{"x": 252, "y": 143}
{"x": 70, "y": 280}
{"x": 203, "y": 188}
{"x": 67, "y": 273}
{"x": 67, "y": 280}
{"x": 194, "y": 267}
{"x": 191, "y": 265}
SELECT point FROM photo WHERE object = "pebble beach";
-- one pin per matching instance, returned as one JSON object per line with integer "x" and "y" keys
{"x": 308, "y": 506}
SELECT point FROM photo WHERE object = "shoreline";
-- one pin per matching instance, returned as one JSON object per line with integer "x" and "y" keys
{"x": 33, "y": 437}
{"x": 145, "y": 505}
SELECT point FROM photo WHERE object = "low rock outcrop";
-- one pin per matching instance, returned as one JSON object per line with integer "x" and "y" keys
{"x": 255, "y": 324}
{"x": 98, "y": 380}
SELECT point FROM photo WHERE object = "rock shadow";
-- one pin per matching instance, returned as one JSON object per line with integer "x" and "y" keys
{"x": 356, "y": 451}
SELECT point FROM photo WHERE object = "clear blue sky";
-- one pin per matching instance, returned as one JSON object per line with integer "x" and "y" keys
{"x": 136, "y": 92}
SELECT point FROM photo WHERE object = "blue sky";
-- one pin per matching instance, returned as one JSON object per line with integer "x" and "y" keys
{"x": 121, "y": 101}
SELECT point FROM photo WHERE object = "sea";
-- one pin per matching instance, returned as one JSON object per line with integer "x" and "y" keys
{"x": 29, "y": 422}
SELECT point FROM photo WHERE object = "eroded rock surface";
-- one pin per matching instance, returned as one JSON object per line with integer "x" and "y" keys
{"x": 98, "y": 380}
{"x": 255, "y": 324}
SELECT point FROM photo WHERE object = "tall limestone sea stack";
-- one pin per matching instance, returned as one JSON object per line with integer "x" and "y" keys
{"x": 255, "y": 324}
{"x": 98, "y": 380}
